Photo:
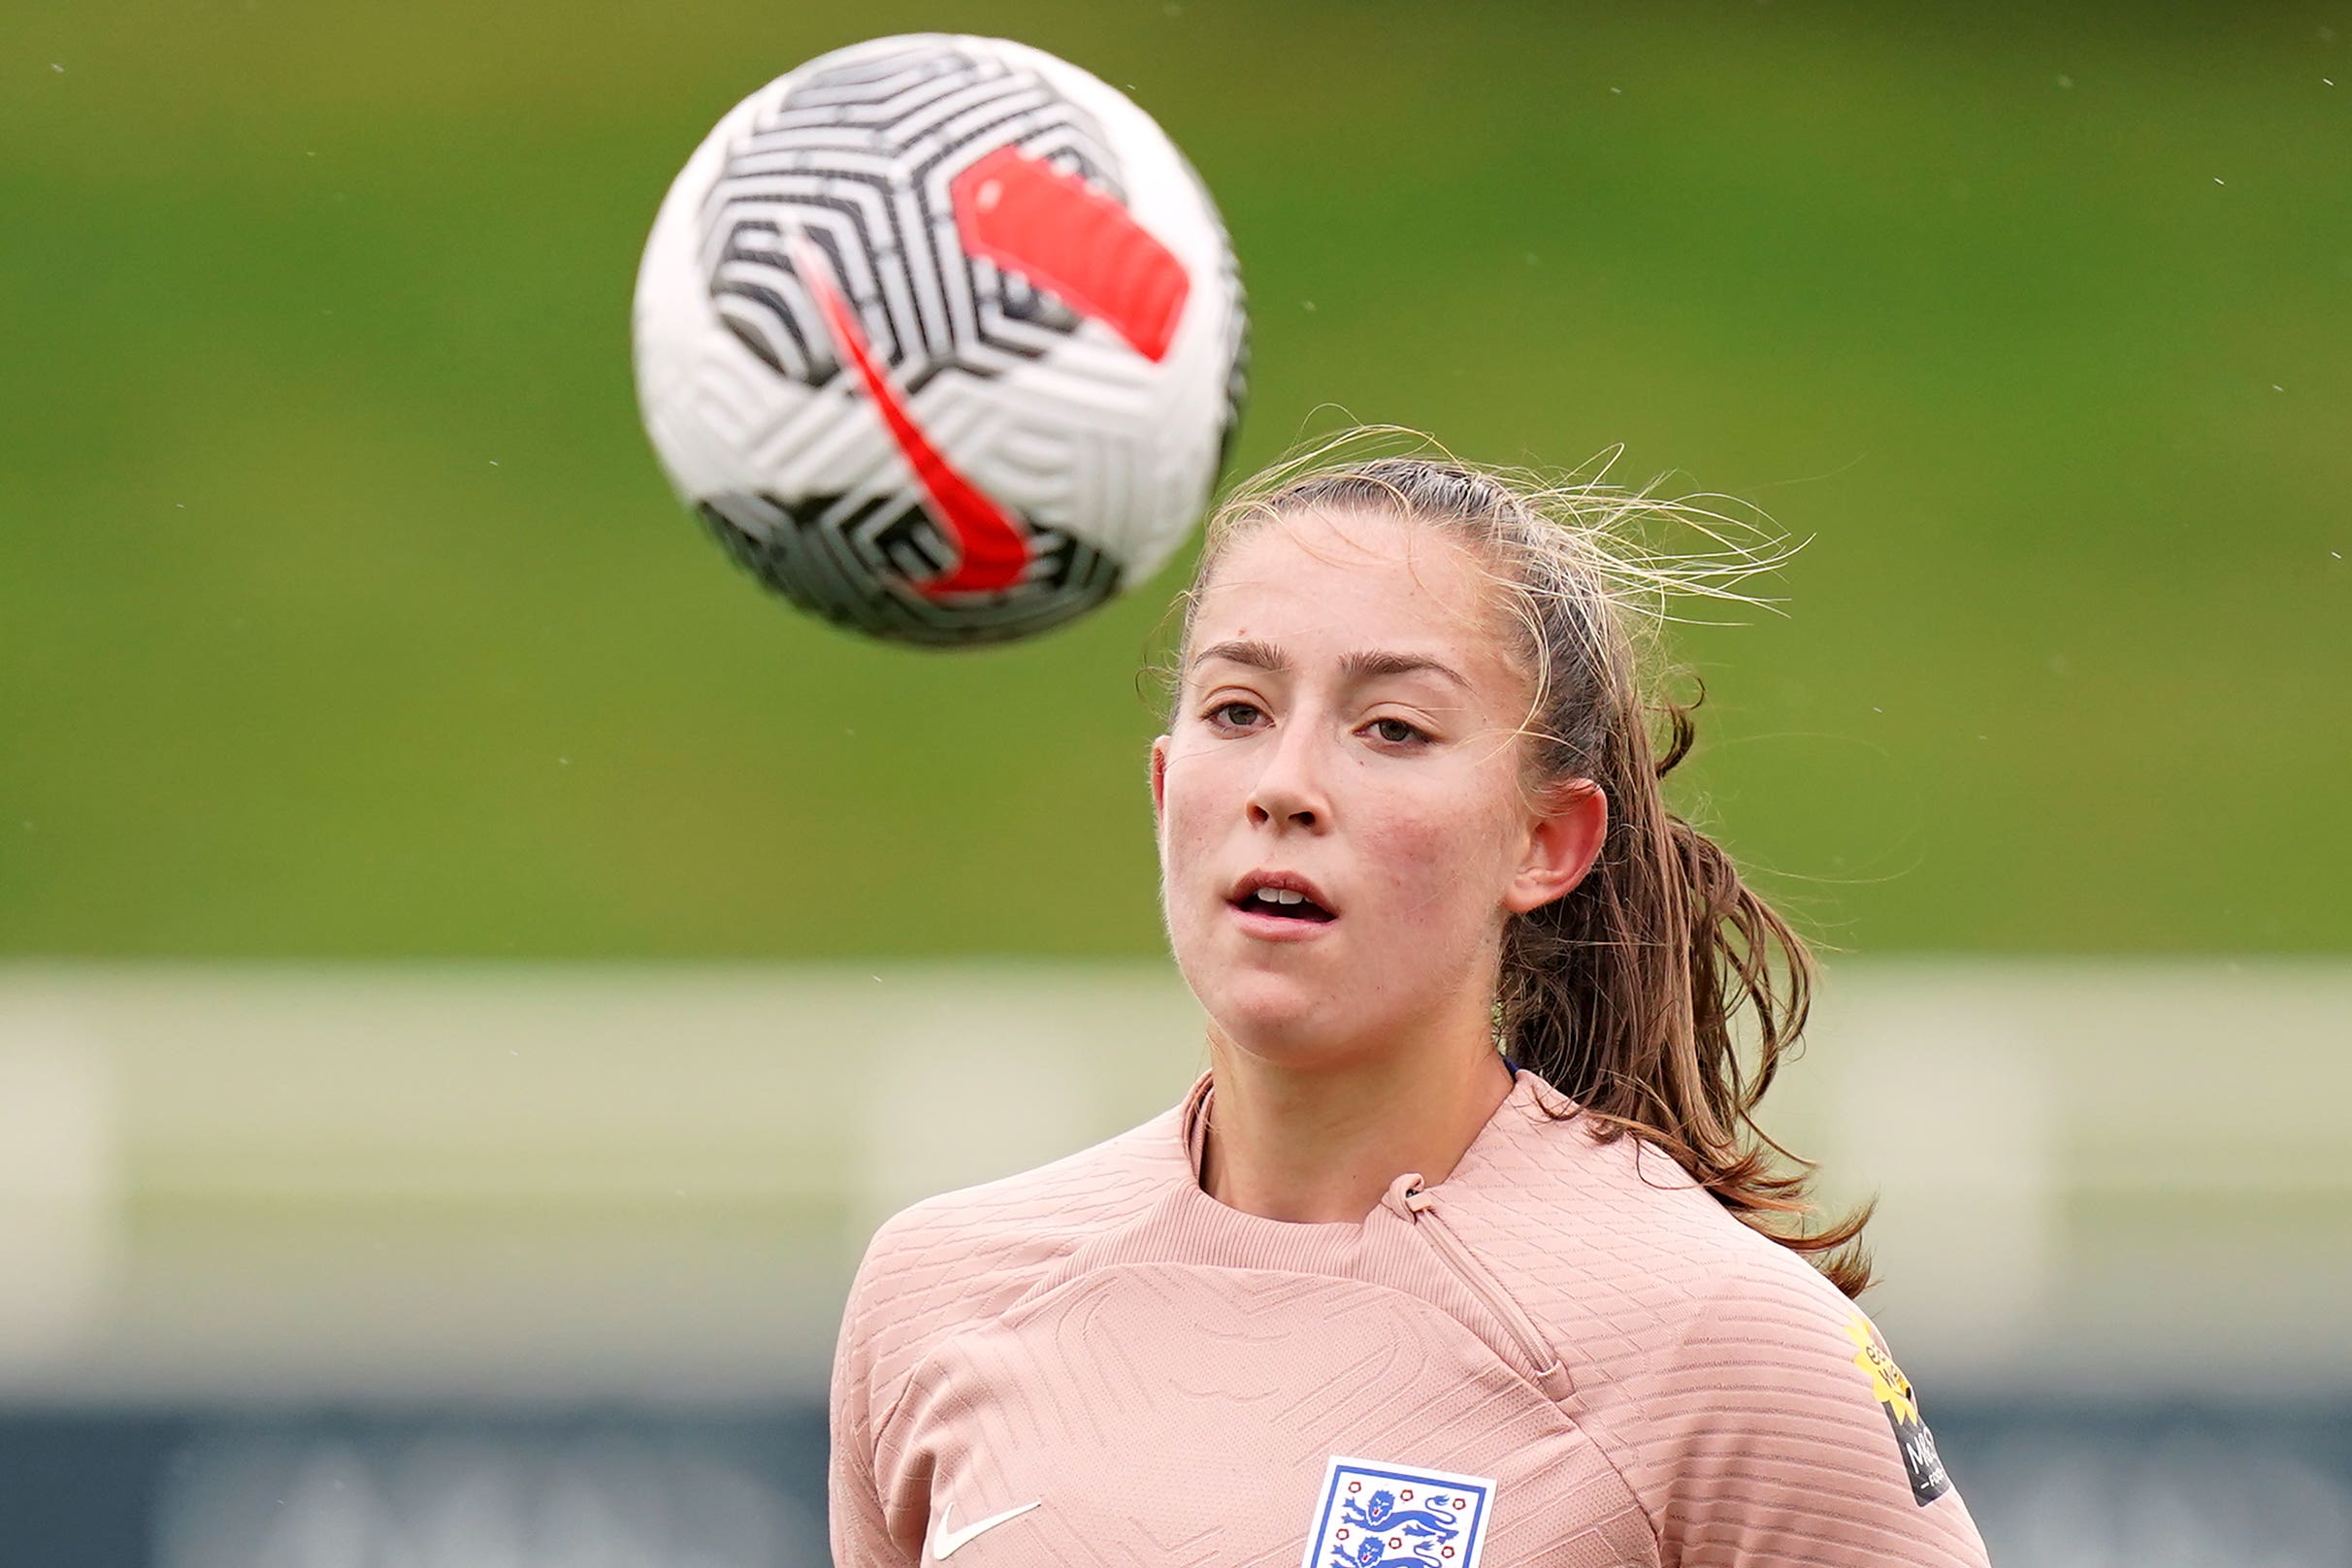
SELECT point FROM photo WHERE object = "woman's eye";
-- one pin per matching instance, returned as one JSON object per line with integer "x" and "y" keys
{"x": 1382, "y": 726}
{"x": 1217, "y": 714}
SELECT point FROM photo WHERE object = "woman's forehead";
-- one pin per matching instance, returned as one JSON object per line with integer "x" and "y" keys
{"x": 1318, "y": 564}
{"x": 1353, "y": 581}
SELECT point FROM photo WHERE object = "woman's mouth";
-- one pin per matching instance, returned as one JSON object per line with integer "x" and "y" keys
{"x": 1280, "y": 915}
{"x": 1283, "y": 903}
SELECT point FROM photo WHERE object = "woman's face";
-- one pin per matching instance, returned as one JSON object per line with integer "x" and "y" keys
{"x": 1348, "y": 714}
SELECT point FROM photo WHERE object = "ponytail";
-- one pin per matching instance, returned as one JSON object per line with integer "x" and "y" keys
{"x": 1623, "y": 995}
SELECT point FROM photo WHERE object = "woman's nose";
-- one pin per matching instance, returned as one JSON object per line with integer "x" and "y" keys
{"x": 1289, "y": 788}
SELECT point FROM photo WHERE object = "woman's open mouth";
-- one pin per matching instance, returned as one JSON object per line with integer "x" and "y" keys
{"x": 1280, "y": 915}
{"x": 1283, "y": 904}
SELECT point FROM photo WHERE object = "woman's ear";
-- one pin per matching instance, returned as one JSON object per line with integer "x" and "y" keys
{"x": 1159, "y": 776}
{"x": 1564, "y": 842}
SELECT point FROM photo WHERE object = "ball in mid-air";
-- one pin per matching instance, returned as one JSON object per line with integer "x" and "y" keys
{"x": 943, "y": 338}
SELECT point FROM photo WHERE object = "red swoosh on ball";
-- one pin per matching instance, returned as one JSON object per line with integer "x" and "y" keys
{"x": 1063, "y": 235}
{"x": 992, "y": 553}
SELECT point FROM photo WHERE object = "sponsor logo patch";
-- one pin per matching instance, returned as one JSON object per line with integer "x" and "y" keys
{"x": 1916, "y": 1444}
{"x": 1372, "y": 1513}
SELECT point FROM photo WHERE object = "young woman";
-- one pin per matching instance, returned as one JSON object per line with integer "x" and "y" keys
{"x": 1464, "y": 1248}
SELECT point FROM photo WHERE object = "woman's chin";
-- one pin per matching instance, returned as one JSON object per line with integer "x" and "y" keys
{"x": 1279, "y": 1018}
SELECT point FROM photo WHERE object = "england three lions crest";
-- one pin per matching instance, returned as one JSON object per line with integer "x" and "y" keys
{"x": 1372, "y": 1513}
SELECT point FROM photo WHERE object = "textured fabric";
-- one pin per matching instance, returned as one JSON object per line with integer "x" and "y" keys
{"x": 1644, "y": 1379}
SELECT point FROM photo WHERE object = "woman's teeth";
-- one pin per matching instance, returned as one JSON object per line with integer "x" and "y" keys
{"x": 1288, "y": 904}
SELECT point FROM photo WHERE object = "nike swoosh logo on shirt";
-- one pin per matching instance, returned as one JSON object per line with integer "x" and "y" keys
{"x": 992, "y": 553}
{"x": 946, "y": 1543}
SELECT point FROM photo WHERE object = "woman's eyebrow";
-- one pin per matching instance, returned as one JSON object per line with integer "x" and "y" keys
{"x": 1257, "y": 655}
{"x": 1365, "y": 664}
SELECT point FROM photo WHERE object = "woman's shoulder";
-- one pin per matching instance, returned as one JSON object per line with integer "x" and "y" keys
{"x": 1040, "y": 1212}
{"x": 1699, "y": 1347}
{"x": 966, "y": 1255}
{"x": 1605, "y": 1234}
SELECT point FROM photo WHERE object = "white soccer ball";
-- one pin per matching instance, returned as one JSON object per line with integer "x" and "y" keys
{"x": 942, "y": 337}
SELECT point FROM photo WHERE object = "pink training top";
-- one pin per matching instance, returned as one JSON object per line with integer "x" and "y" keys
{"x": 1565, "y": 1353}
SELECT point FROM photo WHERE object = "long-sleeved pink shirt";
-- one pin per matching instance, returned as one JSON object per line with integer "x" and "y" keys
{"x": 1564, "y": 1353}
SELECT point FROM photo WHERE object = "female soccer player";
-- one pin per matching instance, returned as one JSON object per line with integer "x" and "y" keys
{"x": 1464, "y": 1248}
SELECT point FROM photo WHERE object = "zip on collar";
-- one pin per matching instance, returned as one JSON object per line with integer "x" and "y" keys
{"x": 1541, "y": 1363}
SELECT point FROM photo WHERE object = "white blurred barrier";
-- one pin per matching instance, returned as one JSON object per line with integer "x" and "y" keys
{"x": 60, "y": 1204}
{"x": 494, "y": 1185}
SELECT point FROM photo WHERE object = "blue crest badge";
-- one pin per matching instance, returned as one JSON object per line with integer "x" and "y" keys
{"x": 1372, "y": 1513}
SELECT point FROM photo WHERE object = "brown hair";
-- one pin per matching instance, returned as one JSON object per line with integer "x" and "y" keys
{"x": 1623, "y": 993}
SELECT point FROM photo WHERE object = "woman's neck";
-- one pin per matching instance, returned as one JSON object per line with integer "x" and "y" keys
{"x": 1322, "y": 1147}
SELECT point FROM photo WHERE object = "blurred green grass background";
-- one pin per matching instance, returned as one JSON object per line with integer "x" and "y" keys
{"x": 343, "y": 611}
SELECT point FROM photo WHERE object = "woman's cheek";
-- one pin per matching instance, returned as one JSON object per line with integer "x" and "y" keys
{"x": 1189, "y": 838}
{"x": 1436, "y": 872}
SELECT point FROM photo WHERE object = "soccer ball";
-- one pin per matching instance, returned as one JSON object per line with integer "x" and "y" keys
{"x": 943, "y": 338}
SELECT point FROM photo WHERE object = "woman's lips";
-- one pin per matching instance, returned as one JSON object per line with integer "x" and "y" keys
{"x": 1279, "y": 928}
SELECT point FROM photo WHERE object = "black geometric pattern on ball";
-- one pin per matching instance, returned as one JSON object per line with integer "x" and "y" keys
{"x": 846, "y": 560}
{"x": 859, "y": 157}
